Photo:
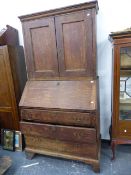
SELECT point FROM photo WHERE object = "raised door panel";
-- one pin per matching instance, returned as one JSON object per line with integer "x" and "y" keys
{"x": 40, "y": 44}
{"x": 74, "y": 42}
{"x": 5, "y": 97}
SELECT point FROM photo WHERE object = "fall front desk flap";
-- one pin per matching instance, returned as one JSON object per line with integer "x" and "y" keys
{"x": 70, "y": 95}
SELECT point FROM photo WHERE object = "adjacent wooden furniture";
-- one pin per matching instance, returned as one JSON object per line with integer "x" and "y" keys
{"x": 5, "y": 163}
{"x": 12, "y": 77}
{"x": 121, "y": 93}
{"x": 60, "y": 103}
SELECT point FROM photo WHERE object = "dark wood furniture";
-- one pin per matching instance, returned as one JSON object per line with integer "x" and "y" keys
{"x": 12, "y": 77}
{"x": 60, "y": 103}
{"x": 121, "y": 94}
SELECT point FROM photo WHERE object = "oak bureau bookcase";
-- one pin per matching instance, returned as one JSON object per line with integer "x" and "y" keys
{"x": 60, "y": 103}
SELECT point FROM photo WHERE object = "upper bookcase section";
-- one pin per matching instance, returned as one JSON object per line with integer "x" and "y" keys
{"x": 61, "y": 43}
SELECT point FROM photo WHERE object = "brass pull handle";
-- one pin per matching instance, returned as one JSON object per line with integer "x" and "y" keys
{"x": 78, "y": 119}
{"x": 28, "y": 119}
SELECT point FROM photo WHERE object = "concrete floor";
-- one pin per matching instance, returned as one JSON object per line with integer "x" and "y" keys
{"x": 44, "y": 165}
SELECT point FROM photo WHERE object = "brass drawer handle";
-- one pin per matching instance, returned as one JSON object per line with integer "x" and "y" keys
{"x": 78, "y": 119}
{"x": 28, "y": 119}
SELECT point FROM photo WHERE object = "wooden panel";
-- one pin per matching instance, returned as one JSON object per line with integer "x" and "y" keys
{"x": 6, "y": 120}
{"x": 40, "y": 44}
{"x": 69, "y": 95}
{"x": 10, "y": 88}
{"x": 42, "y": 48}
{"x": 61, "y": 147}
{"x": 74, "y": 41}
{"x": 18, "y": 69}
{"x": 74, "y": 53}
{"x": 59, "y": 117}
{"x": 5, "y": 97}
{"x": 124, "y": 129}
{"x": 67, "y": 133}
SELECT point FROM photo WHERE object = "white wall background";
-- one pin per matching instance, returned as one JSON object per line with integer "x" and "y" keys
{"x": 113, "y": 15}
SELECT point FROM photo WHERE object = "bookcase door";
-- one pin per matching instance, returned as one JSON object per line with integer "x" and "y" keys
{"x": 74, "y": 42}
{"x": 40, "y": 44}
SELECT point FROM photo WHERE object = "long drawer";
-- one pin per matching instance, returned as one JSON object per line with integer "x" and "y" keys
{"x": 56, "y": 147}
{"x": 66, "y": 133}
{"x": 59, "y": 117}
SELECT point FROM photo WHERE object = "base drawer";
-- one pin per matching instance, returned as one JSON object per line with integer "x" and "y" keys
{"x": 59, "y": 132}
{"x": 125, "y": 129}
{"x": 53, "y": 146}
{"x": 59, "y": 117}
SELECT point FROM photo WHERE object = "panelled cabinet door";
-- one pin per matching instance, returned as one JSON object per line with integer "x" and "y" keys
{"x": 40, "y": 44}
{"x": 8, "y": 112}
{"x": 5, "y": 96}
{"x": 74, "y": 42}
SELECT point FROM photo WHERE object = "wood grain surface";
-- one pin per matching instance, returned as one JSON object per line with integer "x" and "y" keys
{"x": 71, "y": 95}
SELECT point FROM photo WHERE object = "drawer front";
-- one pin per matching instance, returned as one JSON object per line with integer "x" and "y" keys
{"x": 52, "y": 146}
{"x": 59, "y": 117}
{"x": 125, "y": 129}
{"x": 73, "y": 134}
